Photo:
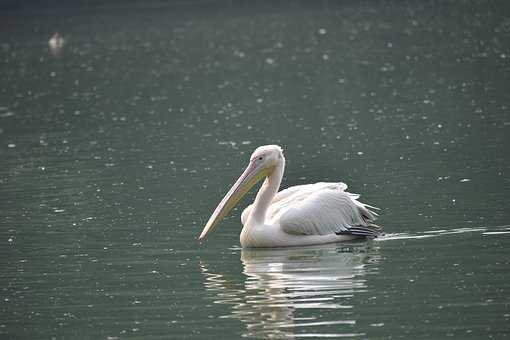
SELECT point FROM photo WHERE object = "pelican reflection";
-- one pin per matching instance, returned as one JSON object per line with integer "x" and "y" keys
{"x": 296, "y": 292}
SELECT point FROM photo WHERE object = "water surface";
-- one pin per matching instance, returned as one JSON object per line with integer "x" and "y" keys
{"x": 115, "y": 150}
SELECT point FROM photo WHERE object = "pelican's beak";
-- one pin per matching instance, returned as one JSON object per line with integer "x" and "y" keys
{"x": 253, "y": 173}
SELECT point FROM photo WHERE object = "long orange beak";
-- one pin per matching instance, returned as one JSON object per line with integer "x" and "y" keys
{"x": 253, "y": 173}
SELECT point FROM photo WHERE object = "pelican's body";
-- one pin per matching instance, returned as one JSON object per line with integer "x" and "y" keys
{"x": 300, "y": 215}
{"x": 56, "y": 41}
{"x": 56, "y": 44}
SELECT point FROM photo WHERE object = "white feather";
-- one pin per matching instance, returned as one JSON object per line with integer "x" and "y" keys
{"x": 316, "y": 209}
{"x": 300, "y": 215}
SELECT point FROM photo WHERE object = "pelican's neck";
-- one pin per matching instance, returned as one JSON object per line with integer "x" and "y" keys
{"x": 266, "y": 193}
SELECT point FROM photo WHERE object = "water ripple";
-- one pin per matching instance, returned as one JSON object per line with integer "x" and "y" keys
{"x": 490, "y": 230}
{"x": 286, "y": 290}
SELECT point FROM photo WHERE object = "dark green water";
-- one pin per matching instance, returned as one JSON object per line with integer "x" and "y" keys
{"x": 115, "y": 150}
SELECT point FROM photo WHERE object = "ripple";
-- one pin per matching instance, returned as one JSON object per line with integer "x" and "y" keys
{"x": 329, "y": 335}
{"x": 492, "y": 230}
{"x": 288, "y": 289}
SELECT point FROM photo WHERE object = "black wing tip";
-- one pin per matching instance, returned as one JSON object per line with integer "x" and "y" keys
{"x": 371, "y": 231}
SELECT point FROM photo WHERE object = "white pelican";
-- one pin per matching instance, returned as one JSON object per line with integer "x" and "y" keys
{"x": 56, "y": 44}
{"x": 56, "y": 41}
{"x": 297, "y": 216}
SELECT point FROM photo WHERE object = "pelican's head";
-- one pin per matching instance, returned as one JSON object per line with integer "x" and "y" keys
{"x": 263, "y": 161}
{"x": 270, "y": 155}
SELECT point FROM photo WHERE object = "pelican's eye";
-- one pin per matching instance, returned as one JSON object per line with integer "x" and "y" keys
{"x": 260, "y": 158}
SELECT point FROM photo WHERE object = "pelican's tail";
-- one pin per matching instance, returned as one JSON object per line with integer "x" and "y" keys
{"x": 367, "y": 228}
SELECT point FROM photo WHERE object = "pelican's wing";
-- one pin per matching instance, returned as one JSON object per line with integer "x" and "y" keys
{"x": 323, "y": 209}
{"x": 286, "y": 196}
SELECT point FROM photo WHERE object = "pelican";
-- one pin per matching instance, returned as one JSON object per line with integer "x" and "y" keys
{"x": 56, "y": 41}
{"x": 56, "y": 44}
{"x": 297, "y": 216}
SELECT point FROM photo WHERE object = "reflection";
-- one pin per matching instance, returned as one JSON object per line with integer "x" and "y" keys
{"x": 302, "y": 292}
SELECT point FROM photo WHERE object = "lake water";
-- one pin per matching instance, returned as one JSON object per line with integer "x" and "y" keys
{"x": 116, "y": 148}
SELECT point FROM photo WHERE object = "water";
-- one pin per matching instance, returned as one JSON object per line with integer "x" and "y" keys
{"x": 115, "y": 150}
